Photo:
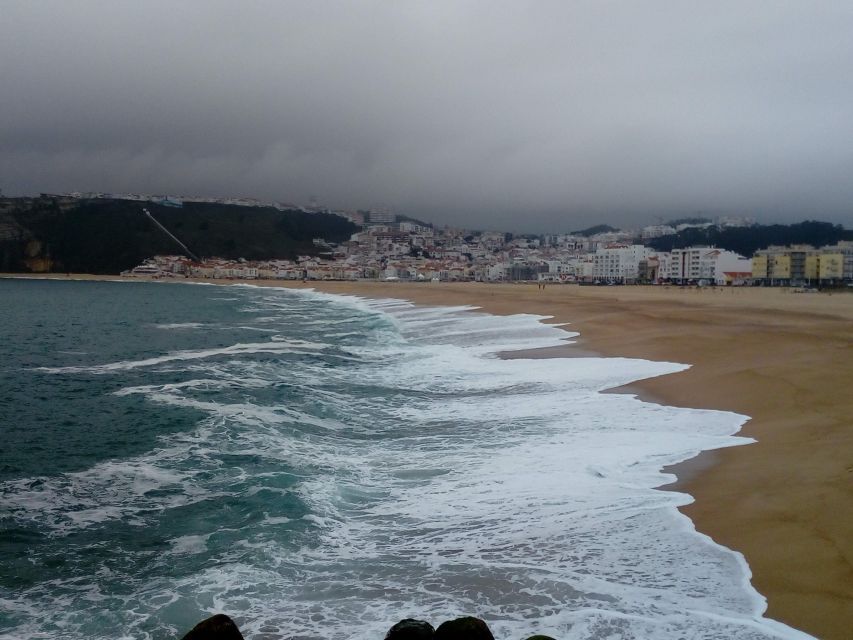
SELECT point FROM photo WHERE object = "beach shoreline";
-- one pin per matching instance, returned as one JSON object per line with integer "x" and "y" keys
{"x": 784, "y": 360}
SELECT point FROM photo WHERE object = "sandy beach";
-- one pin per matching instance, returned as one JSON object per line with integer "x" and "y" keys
{"x": 784, "y": 359}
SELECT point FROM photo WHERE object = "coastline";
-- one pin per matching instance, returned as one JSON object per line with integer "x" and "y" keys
{"x": 785, "y": 502}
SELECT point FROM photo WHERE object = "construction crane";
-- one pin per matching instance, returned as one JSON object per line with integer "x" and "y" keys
{"x": 171, "y": 235}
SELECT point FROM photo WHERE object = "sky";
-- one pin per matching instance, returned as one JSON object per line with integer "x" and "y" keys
{"x": 521, "y": 116}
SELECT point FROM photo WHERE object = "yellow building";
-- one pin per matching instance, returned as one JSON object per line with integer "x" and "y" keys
{"x": 802, "y": 264}
{"x": 776, "y": 265}
{"x": 812, "y": 266}
{"x": 831, "y": 266}
{"x": 780, "y": 267}
{"x": 759, "y": 266}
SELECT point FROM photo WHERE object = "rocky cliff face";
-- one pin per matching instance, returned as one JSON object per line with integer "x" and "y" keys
{"x": 108, "y": 236}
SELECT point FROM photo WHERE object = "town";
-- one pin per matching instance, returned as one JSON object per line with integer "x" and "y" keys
{"x": 394, "y": 248}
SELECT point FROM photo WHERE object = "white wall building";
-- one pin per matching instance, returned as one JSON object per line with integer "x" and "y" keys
{"x": 708, "y": 264}
{"x": 618, "y": 263}
{"x": 657, "y": 231}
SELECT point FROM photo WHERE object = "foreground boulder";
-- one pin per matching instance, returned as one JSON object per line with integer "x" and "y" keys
{"x": 467, "y": 628}
{"x": 540, "y": 638}
{"x": 410, "y": 629}
{"x": 218, "y": 627}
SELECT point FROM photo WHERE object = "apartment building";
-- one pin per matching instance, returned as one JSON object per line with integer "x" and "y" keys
{"x": 619, "y": 262}
{"x": 803, "y": 264}
{"x": 705, "y": 264}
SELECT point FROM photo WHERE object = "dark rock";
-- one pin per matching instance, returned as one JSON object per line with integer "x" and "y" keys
{"x": 538, "y": 637}
{"x": 410, "y": 629}
{"x": 218, "y": 627}
{"x": 467, "y": 628}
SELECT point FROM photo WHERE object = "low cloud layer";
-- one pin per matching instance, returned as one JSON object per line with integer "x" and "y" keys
{"x": 528, "y": 116}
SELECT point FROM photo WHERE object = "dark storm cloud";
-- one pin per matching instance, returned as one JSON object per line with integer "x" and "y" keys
{"x": 518, "y": 115}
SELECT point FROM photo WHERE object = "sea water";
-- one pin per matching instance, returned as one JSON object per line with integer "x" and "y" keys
{"x": 320, "y": 466}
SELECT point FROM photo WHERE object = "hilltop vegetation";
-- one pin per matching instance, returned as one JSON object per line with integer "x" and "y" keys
{"x": 746, "y": 240}
{"x": 108, "y": 236}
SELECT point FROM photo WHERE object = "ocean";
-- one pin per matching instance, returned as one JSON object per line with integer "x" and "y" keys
{"x": 322, "y": 466}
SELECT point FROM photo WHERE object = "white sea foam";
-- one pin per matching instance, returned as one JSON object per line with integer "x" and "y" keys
{"x": 180, "y": 325}
{"x": 276, "y": 346}
{"x": 185, "y": 545}
{"x": 439, "y": 480}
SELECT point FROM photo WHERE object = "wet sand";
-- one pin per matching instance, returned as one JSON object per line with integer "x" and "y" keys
{"x": 785, "y": 359}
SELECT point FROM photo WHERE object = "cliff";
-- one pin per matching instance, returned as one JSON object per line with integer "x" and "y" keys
{"x": 107, "y": 236}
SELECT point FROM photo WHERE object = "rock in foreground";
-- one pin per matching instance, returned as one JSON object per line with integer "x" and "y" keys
{"x": 221, "y": 627}
{"x": 218, "y": 627}
{"x": 410, "y": 629}
{"x": 467, "y": 628}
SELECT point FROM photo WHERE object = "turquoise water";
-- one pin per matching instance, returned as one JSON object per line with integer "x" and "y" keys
{"x": 320, "y": 467}
{"x": 56, "y": 424}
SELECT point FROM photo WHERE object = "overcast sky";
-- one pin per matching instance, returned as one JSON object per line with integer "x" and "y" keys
{"x": 524, "y": 116}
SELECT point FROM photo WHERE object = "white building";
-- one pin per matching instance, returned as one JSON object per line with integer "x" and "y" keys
{"x": 705, "y": 264}
{"x": 657, "y": 231}
{"x": 664, "y": 264}
{"x": 618, "y": 263}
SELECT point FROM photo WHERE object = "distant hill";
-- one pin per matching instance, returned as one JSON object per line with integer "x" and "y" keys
{"x": 107, "y": 236}
{"x": 746, "y": 240}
